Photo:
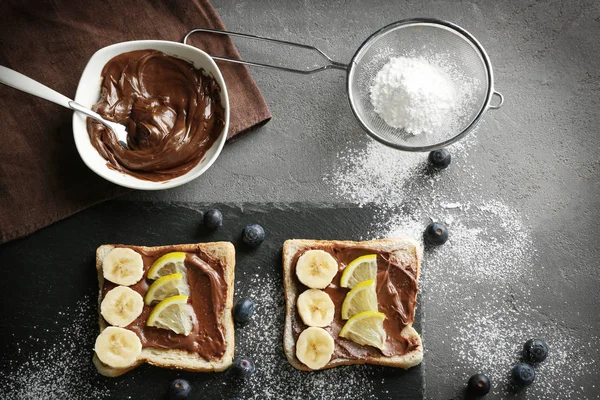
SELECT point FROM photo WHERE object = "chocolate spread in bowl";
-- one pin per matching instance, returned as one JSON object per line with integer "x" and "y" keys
{"x": 172, "y": 112}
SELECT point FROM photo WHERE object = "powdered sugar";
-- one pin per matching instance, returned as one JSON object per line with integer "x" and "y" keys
{"x": 58, "y": 371}
{"x": 382, "y": 175}
{"x": 411, "y": 94}
{"x": 64, "y": 370}
{"x": 481, "y": 255}
{"x": 428, "y": 96}
{"x": 275, "y": 378}
{"x": 476, "y": 290}
{"x": 494, "y": 343}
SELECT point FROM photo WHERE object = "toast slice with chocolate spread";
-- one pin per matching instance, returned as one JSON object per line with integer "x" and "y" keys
{"x": 395, "y": 283}
{"x": 208, "y": 270}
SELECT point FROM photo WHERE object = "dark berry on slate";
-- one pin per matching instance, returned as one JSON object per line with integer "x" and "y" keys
{"x": 213, "y": 219}
{"x": 523, "y": 374}
{"x": 535, "y": 350}
{"x": 179, "y": 389}
{"x": 440, "y": 159}
{"x": 243, "y": 367}
{"x": 479, "y": 385}
{"x": 243, "y": 310}
{"x": 436, "y": 233}
{"x": 253, "y": 235}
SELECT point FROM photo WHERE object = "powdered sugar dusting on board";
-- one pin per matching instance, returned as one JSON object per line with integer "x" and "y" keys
{"x": 275, "y": 378}
{"x": 58, "y": 371}
{"x": 476, "y": 290}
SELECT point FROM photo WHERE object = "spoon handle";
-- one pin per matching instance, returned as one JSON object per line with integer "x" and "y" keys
{"x": 21, "y": 82}
{"x": 84, "y": 110}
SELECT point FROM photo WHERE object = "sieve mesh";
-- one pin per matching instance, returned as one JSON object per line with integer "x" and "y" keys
{"x": 453, "y": 51}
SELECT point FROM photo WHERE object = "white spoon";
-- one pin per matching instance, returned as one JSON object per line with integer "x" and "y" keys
{"x": 21, "y": 82}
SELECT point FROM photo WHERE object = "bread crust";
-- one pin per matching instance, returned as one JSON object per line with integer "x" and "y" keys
{"x": 176, "y": 358}
{"x": 406, "y": 249}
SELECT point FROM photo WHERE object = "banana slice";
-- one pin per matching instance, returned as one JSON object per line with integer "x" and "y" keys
{"x": 118, "y": 347}
{"x": 315, "y": 308}
{"x": 316, "y": 269}
{"x": 123, "y": 266}
{"x": 121, "y": 306}
{"x": 314, "y": 347}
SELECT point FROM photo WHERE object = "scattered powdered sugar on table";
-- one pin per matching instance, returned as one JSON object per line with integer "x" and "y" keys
{"x": 494, "y": 343}
{"x": 63, "y": 369}
{"x": 488, "y": 328}
{"x": 502, "y": 257}
{"x": 476, "y": 289}
{"x": 381, "y": 175}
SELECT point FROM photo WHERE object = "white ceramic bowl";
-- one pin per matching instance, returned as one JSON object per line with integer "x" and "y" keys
{"x": 88, "y": 94}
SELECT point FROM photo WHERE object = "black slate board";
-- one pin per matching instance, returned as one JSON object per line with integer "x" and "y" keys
{"x": 49, "y": 310}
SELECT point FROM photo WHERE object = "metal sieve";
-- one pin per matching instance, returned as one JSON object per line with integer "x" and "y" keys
{"x": 443, "y": 43}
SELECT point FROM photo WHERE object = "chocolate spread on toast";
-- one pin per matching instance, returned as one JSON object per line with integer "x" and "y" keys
{"x": 396, "y": 295}
{"x": 206, "y": 278}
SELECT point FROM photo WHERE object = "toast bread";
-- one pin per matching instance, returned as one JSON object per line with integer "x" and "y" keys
{"x": 406, "y": 251}
{"x": 177, "y": 358}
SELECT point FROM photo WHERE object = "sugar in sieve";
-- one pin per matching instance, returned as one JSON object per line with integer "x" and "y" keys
{"x": 417, "y": 37}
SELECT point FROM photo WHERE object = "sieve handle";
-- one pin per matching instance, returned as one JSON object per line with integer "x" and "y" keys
{"x": 501, "y": 97}
{"x": 331, "y": 63}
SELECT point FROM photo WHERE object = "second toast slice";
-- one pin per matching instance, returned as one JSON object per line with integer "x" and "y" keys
{"x": 398, "y": 265}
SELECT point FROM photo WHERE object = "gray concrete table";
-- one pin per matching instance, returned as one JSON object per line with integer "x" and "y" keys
{"x": 535, "y": 162}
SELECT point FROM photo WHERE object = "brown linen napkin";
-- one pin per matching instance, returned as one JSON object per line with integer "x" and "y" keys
{"x": 42, "y": 177}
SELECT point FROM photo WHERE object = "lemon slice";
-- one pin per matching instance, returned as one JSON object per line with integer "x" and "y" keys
{"x": 366, "y": 328}
{"x": 170, "y": 263}
{"x": 172, "y": 313}
{"x": 363, "y": 297}
{"x": 359, "y": 270}
{"x": 167, "y": 286}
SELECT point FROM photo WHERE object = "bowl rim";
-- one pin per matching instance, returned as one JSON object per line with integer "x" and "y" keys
{"x": 131, "y": 182}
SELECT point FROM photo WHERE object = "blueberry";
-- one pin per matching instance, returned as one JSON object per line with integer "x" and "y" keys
{"x": 535, "y": 350}
{"x": 213, "y": 219}
{"x": 179, "y": 389}
{"x": 440, "y": 159}
{"x": 479, "y": 385}
{"x": 436, "y": 233}
{"x": 523, "y": 374}
{"x": 243, "y": 310}
{"x": 243, "y": 367}
{"x": 253, "y": 235}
